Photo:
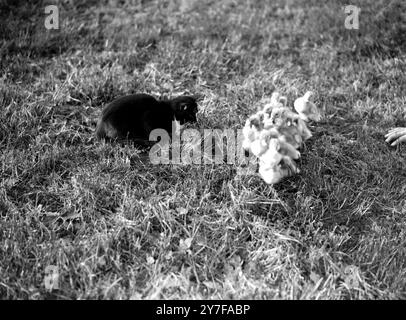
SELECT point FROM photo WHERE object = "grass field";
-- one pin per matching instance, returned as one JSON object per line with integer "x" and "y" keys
{"x": 119, "y": 227}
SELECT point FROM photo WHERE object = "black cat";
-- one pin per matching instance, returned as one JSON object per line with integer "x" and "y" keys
{"x": 133, "y": 117}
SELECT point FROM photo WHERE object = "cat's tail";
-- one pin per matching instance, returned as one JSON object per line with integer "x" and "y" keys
{"x": 105, "y": 130}
{"x": 100, "y": 130}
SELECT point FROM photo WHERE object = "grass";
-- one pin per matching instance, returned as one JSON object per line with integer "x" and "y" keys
{"x": 119, "y": 227}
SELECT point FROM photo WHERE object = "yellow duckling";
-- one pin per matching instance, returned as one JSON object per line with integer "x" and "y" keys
{"x": 276, "y": 101}
{"x": 275, "y": 173}
{"x": 306, "y": 109}
{"x": 277, "y": 151}
{"x": 303, "y": 130}
{"x": 291, "y": 135}
{"x": 252, "y": 129}
{"x": 272, "y": 175}
{"x": 285, "y": 149}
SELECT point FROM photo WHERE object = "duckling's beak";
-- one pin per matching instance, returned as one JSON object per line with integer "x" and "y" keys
{"x": 307, "y": 95}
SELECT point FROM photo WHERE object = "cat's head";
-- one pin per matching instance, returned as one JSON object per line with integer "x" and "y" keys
{"x": 185, "y": 109}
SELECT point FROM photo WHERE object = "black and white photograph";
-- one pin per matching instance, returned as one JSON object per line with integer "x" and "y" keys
{"x": 199, "y": 150}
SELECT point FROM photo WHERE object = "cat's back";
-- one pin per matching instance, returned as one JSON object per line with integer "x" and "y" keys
{"x": 134, "y": 104}
{"x": 128, "y": 116}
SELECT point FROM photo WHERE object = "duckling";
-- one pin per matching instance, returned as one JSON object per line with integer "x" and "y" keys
{"x": 396, "y": 136}
{"x": 283, "y": 148}
{"x": 251, "y": 130}
{"x": 276, "y": 101}
{"x": 276, "y": 118}
{"x": 306, "y": 109}
{"x": 278, "y": 152}
{"x": 290, "y": 165}
{"x": 291, "y": 135}
{"x": 274, "y": 174}
{"x": 261, "y": 144}
{"x": 303, "y": 130}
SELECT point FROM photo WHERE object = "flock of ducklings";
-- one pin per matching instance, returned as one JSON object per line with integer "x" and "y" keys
{"x": 275, "y": 133}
